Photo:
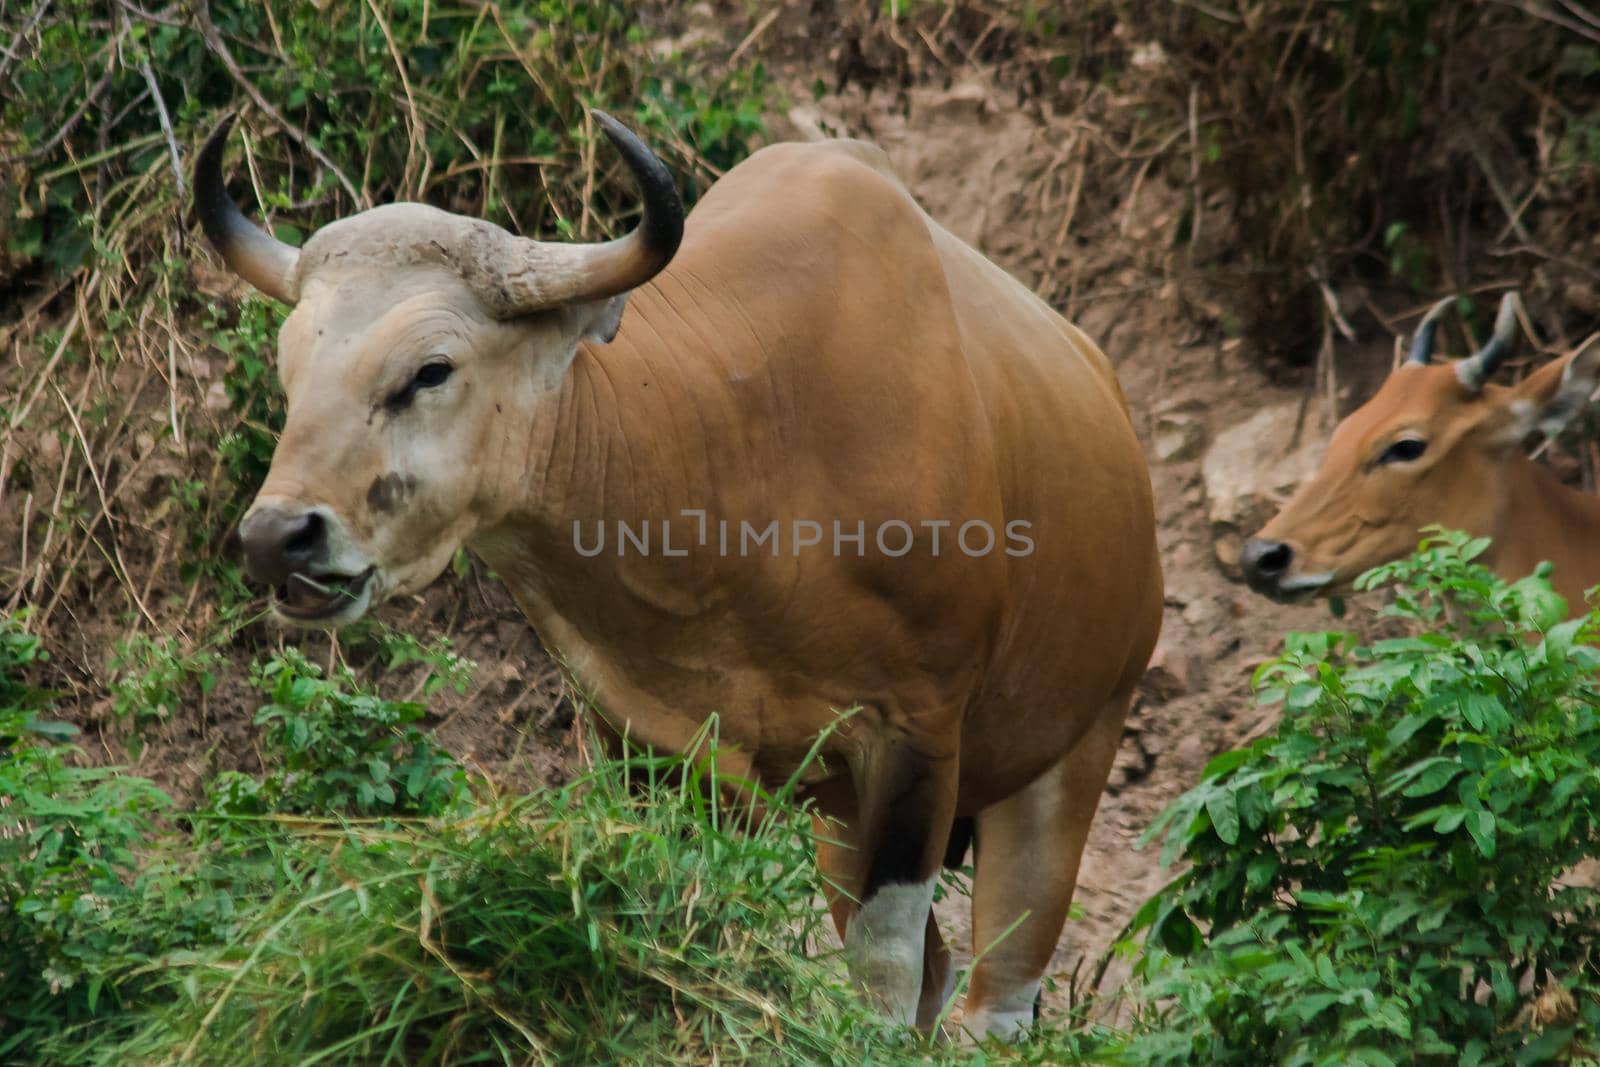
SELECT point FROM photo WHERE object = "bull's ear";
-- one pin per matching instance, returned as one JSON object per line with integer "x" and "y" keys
{"x": 594, "y": 320}
{"x": 606, "y": 319}
{"x": 1553, "y": 395}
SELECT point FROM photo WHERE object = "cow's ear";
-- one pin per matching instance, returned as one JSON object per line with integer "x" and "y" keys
{"x": 1553, "y": 395}
{"x": 600, "y": 320}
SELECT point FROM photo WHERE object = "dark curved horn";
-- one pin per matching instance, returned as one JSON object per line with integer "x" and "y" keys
{"x": 1422, "y": 340}
{"x": 544, "y": 274}
{"x": 1475, "y": 370}
{"x": 250, "y": 252}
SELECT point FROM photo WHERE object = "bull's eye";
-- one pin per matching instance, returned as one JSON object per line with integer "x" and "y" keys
{"x": 1404, "y": 451}
{"x": 430, "y": 375}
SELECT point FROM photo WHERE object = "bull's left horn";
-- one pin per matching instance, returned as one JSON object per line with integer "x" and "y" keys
{"x": 1422, "y": 340}
{"x": 544, "y": 275}
{"x": 1477, "y": 369}
{"x": 250, "y": 252}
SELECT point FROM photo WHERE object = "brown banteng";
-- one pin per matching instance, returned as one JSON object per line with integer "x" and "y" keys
{"x": 854, "y": 465}
{"x": 1438, "y": 444}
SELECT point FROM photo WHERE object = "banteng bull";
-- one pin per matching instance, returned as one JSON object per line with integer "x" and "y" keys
{"x": 1438, "y": 444}
{"x": 953, "y": 517}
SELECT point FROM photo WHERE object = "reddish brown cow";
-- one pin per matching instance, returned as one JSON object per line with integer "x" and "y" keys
{"x": 1438, "y": 444}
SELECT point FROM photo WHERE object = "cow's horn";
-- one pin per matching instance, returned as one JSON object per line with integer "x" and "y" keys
{"x": 1422, "y": 340}
{"x": 251, "y": 253}
{"x": 551, "y": 274}
{"x": 1475, "y": 370}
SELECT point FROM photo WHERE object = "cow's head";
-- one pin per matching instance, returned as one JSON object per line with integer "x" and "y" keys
{"x": 422, "y": 348}
{"x": 1435, "y": 445}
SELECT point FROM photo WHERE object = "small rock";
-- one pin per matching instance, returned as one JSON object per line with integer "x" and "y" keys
{"x": 1193, "y": 751}
{"x": 1169, "y": 673}
{"x": 1179, "y": 438}
{"x": 217, "y": 398}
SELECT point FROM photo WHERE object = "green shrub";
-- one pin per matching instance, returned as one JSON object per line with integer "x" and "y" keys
{"x": 1384, "y": 878}
{"x": 332, "y": 747}
{"x": 153, "y": 677}
{"x": 69, "y": 839}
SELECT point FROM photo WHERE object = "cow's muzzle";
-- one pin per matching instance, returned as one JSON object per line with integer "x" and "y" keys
{"x": 1268, "y": 566}
{"x": 292, "y": 550}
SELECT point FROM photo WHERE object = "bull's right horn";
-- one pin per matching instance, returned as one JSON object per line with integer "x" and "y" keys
{"x": 528, "y": 276}
{"x": 1422, "y": 340}
{"x": 250, "y": 252}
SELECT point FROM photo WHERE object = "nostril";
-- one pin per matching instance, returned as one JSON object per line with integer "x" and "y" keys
{"x": 277, "y": 541}
{"x": 1267, "y": 559}
{"x": 305, "y": 541}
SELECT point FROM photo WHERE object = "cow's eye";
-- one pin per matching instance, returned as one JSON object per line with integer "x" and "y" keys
{"x": 431, "y": 374}
{"x": 1404, "y": 451}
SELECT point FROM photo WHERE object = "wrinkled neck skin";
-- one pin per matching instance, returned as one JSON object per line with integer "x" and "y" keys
{"x": 563, "y": 424}
{"x": 1546, "y": 520}
{"x": 584, "y": 467}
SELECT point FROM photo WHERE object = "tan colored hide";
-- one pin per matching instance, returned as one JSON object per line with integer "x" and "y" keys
{"x": 818, "y": 350}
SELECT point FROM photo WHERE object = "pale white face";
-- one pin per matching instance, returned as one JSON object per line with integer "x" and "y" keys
{"x": 411, "y": 417}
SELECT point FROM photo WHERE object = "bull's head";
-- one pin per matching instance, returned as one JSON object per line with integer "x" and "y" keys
{"x": 423, "y": 352}
{"x": 1435, "y": 445}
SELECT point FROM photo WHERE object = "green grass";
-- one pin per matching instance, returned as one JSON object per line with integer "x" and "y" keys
{"x": 311, "y": 913}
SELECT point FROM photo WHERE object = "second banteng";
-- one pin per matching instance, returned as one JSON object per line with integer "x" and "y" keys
{"x": 1440, "y": 444}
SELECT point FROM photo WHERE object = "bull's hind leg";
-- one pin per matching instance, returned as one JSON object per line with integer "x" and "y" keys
{"x": 842, "y": 864}
{"x": 885, "y": 866}
{"x": 1028, "y": 850}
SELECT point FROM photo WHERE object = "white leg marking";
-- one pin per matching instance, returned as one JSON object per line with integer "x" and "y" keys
{"x": 1007, "y": 1017}
{"x": 884, "y": 944}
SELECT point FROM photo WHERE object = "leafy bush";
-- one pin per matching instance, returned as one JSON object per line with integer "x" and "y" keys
{"x": 69, "y": 839}
{"x": 332, "y": 747}
{"x": 153, "y": 677}
{"x": 1385, "y": 878}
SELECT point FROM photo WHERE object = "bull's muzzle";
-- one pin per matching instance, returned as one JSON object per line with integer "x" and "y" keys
{"x": 279, "y": 542}
{"x": 289, "y": 549}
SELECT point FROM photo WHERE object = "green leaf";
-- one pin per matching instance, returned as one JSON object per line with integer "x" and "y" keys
{"x": 1178, "y": 934}
{"x": 1546, "y": 1047}
{"x": 1223, "y": 808}
{"x": 1484, "y": 713}
{"x": 1426, "y": 777}
{"x": 1480, "y": 824}
{"x": 51, "y": 728}
{"x": 1225, "y": 762}
{"x": 1258, "y": 873}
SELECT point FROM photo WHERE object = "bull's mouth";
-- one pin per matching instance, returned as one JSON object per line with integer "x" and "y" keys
{"x": 324, "y": 598}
